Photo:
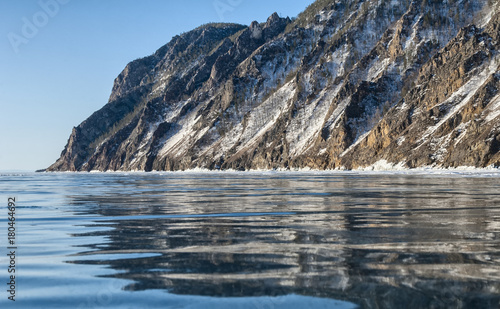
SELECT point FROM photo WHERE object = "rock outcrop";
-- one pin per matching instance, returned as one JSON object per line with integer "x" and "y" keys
{"x": 344, "y": 85}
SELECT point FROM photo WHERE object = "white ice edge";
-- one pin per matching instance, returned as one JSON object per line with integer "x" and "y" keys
{"x": 380, "y": 167}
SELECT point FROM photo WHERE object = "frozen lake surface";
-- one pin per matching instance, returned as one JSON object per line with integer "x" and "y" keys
{"x": 254, "y": 240}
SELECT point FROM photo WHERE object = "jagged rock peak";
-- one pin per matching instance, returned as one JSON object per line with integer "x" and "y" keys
{"x": 274, "y": 18}
{"x": 256, "y": 30}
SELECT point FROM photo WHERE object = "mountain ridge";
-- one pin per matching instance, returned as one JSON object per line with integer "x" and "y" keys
{"x": 342, "y": 86}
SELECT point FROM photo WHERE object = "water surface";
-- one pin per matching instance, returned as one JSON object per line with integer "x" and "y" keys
{"x": 255, "y": 240}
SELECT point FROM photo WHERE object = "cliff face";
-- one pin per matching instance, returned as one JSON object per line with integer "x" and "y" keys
{"x": 346, "y": 84}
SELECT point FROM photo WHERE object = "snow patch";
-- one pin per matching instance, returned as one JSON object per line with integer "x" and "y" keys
{"x": 177, "y": 144}
{"x": 493, "y": 110}
{"x": 356, "y": 143}
{"x": 384, "y": 165}
{"x": 413, "y": 37}
{"x": 325, "y": 15}
{"x": 322, "y": 151}
{"x": 262, "y": 118}
{"x": 462, "y": 96}
{"x": 462, "y": 130}
{"x": 401, "y": 140}
{"x": 486, "y": 19}
{"x": 441, "y": 145}
{"x": 377, "y": 68}
{"x": 337, "y": 113}
{"x": 308, "y": 122}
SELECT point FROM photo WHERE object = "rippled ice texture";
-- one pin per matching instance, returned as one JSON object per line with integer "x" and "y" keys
{"x": 254, "y": 240}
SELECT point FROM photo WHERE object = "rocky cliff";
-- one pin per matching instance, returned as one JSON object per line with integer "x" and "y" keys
{"x": 346, "y": 84}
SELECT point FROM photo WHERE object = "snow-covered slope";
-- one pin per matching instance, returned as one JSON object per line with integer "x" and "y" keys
{"x": 344, "y": 85}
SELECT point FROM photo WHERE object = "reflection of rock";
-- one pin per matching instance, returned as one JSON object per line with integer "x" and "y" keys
{"x": 405, "y": 243}
{"x": 345, "y": 85}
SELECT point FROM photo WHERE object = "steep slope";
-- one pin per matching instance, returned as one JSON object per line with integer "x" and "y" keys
{"x": 346, "y": 84}
{"x": 450, "y": 116}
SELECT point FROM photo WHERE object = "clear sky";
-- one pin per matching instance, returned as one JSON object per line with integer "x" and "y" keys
{"x": 59, "y": 58}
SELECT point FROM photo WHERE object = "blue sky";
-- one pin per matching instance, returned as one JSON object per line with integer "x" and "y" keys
{"x": 58, "y": 60}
